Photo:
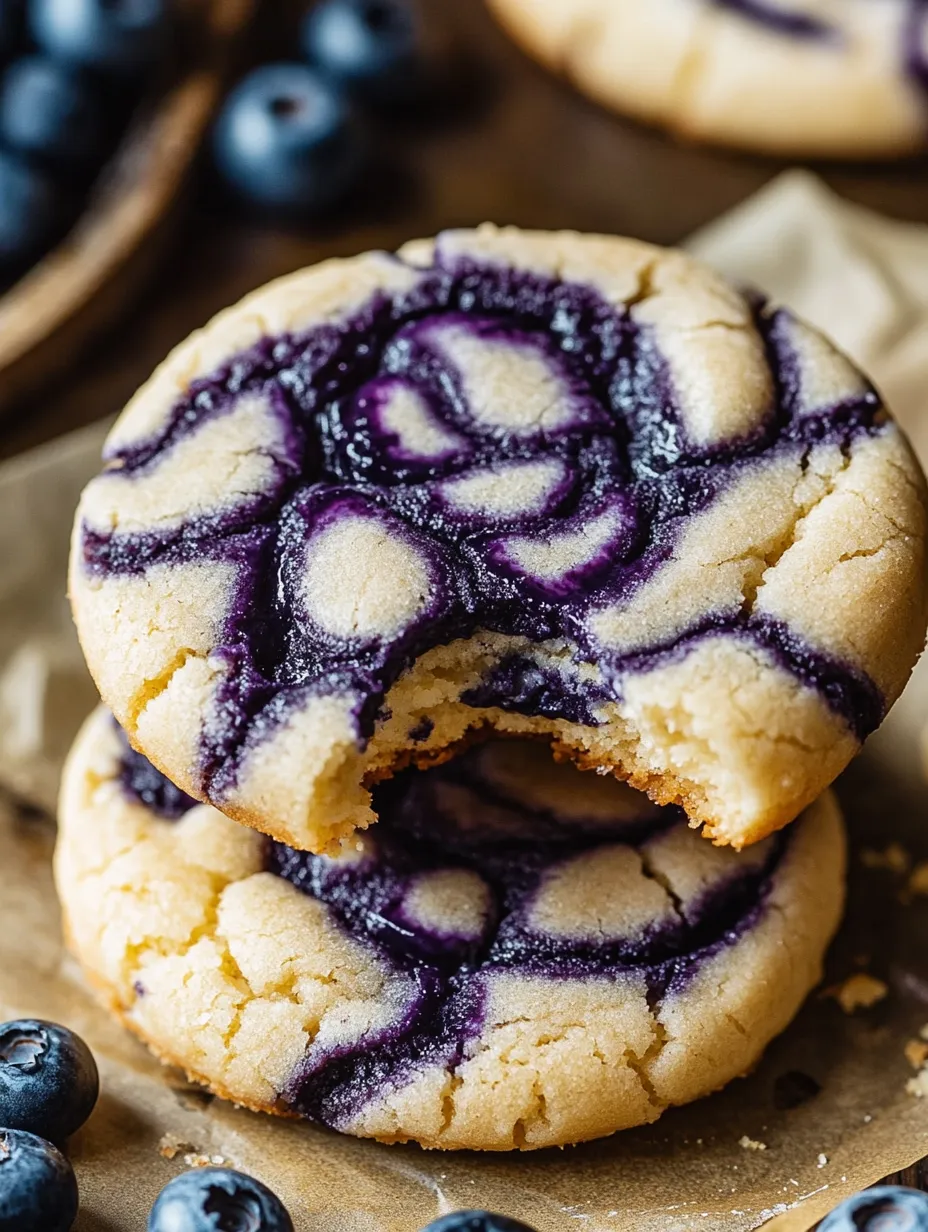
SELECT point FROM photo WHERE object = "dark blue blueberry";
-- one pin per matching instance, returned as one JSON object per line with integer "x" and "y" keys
{"x": 48, "y": 1079}
{"x": 38, "y": 1192}
{"x": 885, "y": 1208}
{"x": 217, "y": 1200}
{"x": 373, "y": 47}
{"x": 29, "y": 213}
{"x": 114, "y": 36}
{"x": 476, "y": 1221}
{"x": 288, "y": 140}
{"x": 50, "y": 112}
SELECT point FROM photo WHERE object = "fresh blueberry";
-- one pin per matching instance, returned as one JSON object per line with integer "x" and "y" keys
{"x": 48, "y": 1079}
{"x": 476, "y": 1221}
{"x": 288, "y": 140}
{"x": 38, "y": 1192}
{"x": 29, "y": 213}
{"x": 214, "y": 1199}
{"x": 885, "y": 1208}
{"x": 49, "y": 112}
{"x": 116, "y": 36}
{"x": 373, "y": 47}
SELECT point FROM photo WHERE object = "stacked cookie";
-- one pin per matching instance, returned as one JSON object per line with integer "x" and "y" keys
{"x": 501, "y": 484}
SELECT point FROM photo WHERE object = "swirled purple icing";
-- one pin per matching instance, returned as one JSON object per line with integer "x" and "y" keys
{"x": 618, "y": 450}
{"x": 461, "y": 817}
{"x": 144, "y": 783}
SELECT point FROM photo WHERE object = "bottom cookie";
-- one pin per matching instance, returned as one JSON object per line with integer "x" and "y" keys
{"x": 517, "y": 956}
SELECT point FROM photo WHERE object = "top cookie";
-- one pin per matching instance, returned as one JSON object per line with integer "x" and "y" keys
{"x": 832, "y": 78}
{"x": 551, "y": 484}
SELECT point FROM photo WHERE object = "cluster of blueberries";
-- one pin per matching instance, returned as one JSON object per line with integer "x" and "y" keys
{"x": 293, "y": 137}
{"x": 48, "y": 1088}
{"x": 70, "y": 72}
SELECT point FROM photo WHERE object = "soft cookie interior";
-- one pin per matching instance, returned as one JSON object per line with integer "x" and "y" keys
{"x": 544, "y": 485}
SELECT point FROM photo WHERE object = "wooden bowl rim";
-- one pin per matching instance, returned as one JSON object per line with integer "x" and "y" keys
{"x": 134, "y": 193}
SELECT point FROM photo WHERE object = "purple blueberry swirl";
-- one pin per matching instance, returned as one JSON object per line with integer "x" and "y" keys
{"x": 491, "y": 867}
{"x": 559, "y": 485}
{"x": 794, "y": 23}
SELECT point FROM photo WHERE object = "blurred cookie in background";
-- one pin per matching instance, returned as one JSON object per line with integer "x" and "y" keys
{"x": 801, "y": 78}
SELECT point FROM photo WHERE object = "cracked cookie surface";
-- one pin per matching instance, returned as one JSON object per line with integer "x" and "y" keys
{"x": 830, "y": 78}
{"x": 544, "y": 483}
{"x": 518, "y": 956}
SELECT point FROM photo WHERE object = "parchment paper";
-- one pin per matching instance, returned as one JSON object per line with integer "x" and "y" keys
{"x": 828, "y": 1104}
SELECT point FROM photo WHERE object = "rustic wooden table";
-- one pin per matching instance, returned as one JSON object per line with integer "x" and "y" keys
{"x": 517, "y": 146}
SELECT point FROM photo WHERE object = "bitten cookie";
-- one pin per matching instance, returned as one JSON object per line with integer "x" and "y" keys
{"x": 517, "y": 956}
{"x": 830, "y": 78}
{"x": 544, "y": 483}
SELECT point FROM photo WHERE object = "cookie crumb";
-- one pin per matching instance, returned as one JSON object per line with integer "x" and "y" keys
{"x": 918, "y": 1086}
{"x": 171, "y": 1146}
{"x": 822, "y": 1161}
{"x": 916, "y": 1053}
{"x": 858, "y": 992}
{"x": 196, "y": 1160}
{"x": 895, "y": 859}
{"x": 918, "y": 882}
{"x": 751, "y": 1144}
